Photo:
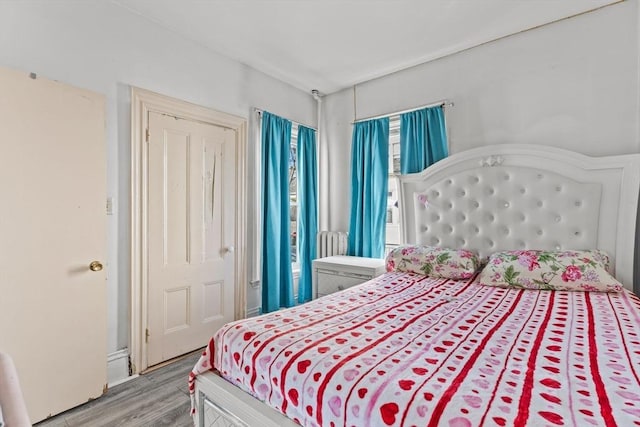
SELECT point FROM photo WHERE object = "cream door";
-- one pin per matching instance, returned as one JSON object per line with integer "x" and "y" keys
{"x": 52, "y": 226}
{"x": 191, "y": 217}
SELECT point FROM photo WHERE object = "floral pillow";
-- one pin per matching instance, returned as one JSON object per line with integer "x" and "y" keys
{"x": 433, "y": 261}
{"x": 560, "y": 271}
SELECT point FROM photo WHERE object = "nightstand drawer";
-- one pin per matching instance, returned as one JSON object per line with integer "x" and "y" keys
{"x": 336, "y": 273}
{"x": 333, "y": 281}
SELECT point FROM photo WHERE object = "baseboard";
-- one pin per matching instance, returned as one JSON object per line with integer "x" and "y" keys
{"x": 118, "y": 367}
{"x": 255, "y": 311}
{"x": 123, "y": 380}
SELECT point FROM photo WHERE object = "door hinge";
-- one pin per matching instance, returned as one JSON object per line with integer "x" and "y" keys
{"x": 146, "y": 335}
{"x": 146, "y": 135}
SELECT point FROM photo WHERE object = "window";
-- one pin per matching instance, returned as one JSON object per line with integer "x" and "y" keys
{"x": 393, "y": 214}
{"x": 393, "y": 237}
{"x": 293, "y": 192}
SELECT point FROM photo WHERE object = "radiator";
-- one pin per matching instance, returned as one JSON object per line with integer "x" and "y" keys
{"x": 331, "y": 243}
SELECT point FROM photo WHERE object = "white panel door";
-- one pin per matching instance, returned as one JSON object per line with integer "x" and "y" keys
{"x": 52, "y": 226}
{"x": 191, "y": 217}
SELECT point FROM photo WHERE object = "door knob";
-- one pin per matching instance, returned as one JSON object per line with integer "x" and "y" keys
{"x": 230, "y": 249}
{"x": 95, "y": 266}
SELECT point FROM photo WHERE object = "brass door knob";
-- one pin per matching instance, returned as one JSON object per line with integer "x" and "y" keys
{"x": 95, "y": 266}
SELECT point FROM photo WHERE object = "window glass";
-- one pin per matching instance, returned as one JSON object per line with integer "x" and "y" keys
{"x": 393, "y": 214}
{"x": 293, "y": 192}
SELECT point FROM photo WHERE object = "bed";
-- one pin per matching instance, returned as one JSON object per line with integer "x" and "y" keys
{"x": 416, "y": 349}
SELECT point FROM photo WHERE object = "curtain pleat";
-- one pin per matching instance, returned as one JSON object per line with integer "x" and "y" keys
{"x": 369, "y": 185}
{"x": 307, "y": 209}
{"x": 423, "y": 139}
{"x": 277, "y": 279}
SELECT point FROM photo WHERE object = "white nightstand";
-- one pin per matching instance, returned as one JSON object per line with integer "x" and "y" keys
{"x": 335, "y": 273}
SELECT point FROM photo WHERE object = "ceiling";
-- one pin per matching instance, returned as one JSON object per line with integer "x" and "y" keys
{"x": 329, "y": 45}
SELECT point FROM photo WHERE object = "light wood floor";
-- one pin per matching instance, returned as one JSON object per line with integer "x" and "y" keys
{"x": 158, "y": 398}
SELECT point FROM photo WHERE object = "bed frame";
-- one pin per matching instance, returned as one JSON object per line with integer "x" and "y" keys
{"x": 500, "y": 197}
{"x": 511, "y": 197}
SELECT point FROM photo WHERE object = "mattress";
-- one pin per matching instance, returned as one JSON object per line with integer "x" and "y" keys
{"x": 406, "y": 349}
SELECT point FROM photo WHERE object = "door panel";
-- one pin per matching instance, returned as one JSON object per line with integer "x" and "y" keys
{"x": 191, "y": 271}
{"x": 53, "y": 225}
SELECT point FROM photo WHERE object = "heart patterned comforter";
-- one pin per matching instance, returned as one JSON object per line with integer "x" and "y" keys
{"x": 405, "y": 349}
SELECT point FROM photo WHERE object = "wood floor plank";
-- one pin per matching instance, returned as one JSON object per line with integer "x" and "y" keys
{"x": 157, "y": 398}
{"x": 170, "y": 373}
{"x": 184, "y": 388}
{"x": 141, "y": 411}
{"x": 55, "y": 422}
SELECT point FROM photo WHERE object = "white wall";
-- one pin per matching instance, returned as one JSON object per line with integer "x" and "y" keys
{"x": 572, "y": 84}
{"x": 101, "y": 47}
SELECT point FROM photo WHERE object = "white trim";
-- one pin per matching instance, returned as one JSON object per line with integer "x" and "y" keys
{"x": 255, "y": 311}
{"x": 142, "y": 102}
{"x": 256, "y": 268}
{"x": 117, "y": 367}
{"x": 124, "y": 380}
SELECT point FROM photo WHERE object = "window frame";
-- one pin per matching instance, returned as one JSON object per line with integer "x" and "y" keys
{"x": 293, "y": 197}
{"x": 393, "y": 223}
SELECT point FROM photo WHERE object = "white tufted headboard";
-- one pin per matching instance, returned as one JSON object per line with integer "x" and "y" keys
{"x": 509, "y": 197}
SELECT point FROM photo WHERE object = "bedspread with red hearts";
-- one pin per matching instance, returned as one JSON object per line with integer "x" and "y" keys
{"x": 409, "y": 350}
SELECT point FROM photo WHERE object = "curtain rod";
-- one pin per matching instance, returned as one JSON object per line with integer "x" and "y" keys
{"x": 444, "y": 103}
{"x": 259, "y": 111}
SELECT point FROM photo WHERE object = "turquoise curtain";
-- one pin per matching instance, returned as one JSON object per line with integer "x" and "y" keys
{"x": 307, "y": 209}
{"x": 423, "y": 139}
{"x": 277, "y": 279}
{"x": 369, "y": 185}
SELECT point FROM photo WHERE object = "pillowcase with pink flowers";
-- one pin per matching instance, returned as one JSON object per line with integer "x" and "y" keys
{"x": 550, "y": 270}
{"x": 433, "y": 261}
